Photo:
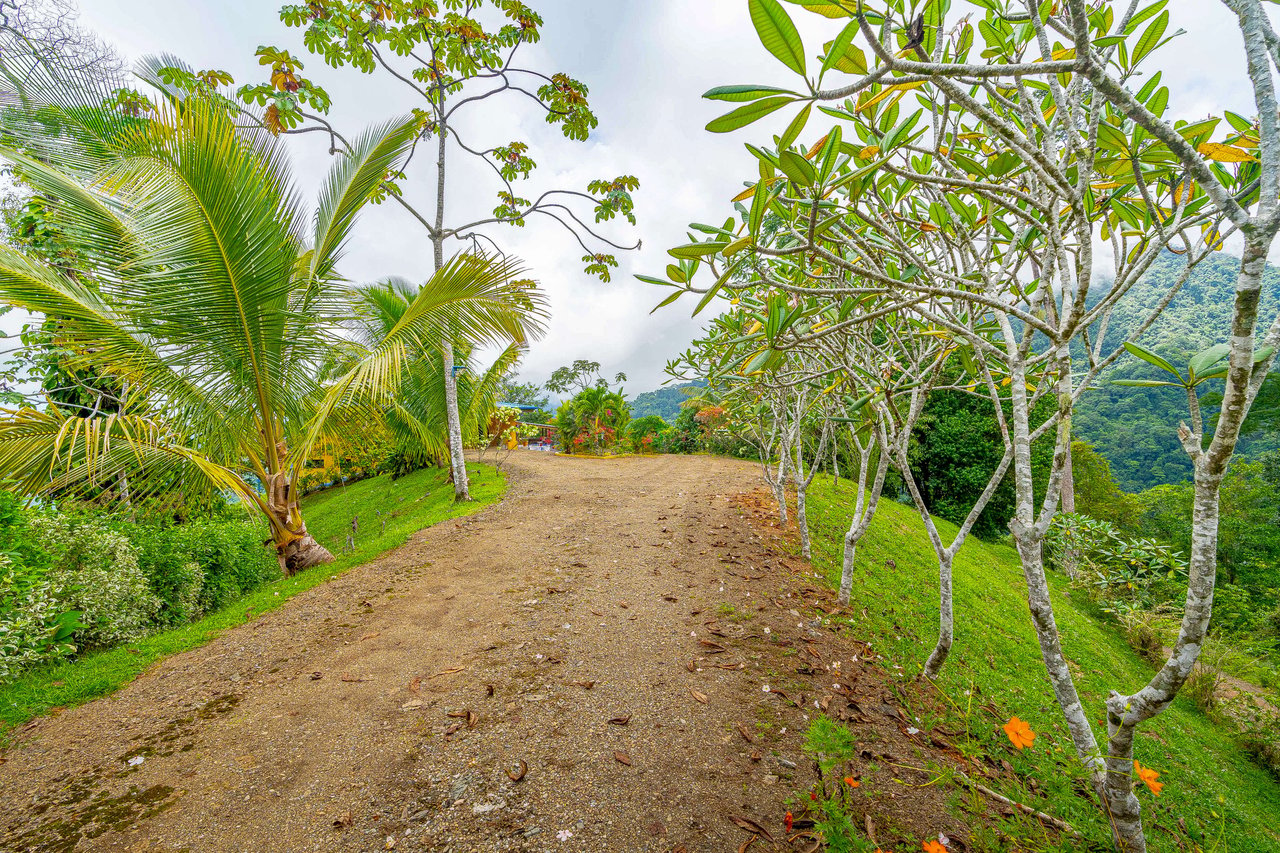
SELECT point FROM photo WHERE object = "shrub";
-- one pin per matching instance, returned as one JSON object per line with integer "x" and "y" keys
{"x": 231, "y": 556}
{"x": 95, "y": 571}
{"x": 34, "y": 626}
{"x": 174, "y": 577}
{"x": 1113, "y": 567}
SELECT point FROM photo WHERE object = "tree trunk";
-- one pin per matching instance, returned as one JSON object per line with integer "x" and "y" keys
{"x": 457, "y": 457}
{"x": 802, "y": 519}
{"x": 946, "y": 619}
{"x": 301, "y": 553}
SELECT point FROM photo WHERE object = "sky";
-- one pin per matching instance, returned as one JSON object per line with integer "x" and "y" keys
{"x": 646, "y": 63}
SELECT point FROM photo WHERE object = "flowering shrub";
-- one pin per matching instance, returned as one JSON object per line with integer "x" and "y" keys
{"x": 95, "y": 571}
{"x": 592, "y": 421}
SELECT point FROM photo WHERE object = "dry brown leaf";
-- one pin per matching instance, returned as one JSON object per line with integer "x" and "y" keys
{"x": 742, "y": 848}
{"x": 316, "y": 676}
{"x": 457, "y": 714}
{"x": 415, "y": 686}
{"x": 449, "y": 671}
{"x": 755, "y": 755}
{"x": 701, "y": 697}
{"x": 620, "y": 721}
{"x": 669, "y": 598}
{"x": 471, "y": 719}
{"x": 691, "y": 666}
{"x": 746, "y": 735}
{"x": 352, "y": 679}
{"x": 343, "y": 820}
{"x": 585, "y": 685}
{"x": 452, "y": 730}
{"x": 520, "y": 773}
{"x": 370, "y": 636}
{"x": 712, "y": 648}
{"x": 750, "y": 826}
{"x": 623, "y": 605}
{"x": 622, "y": 758}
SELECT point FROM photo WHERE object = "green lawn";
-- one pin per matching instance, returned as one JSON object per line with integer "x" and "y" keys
{"x": 409, "y": 504}
{"x": 1226, "y": 800}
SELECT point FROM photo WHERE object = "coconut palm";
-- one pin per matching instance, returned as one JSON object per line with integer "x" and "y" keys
{"x": 417, "y": 416}
{"x": 213, "y": 294}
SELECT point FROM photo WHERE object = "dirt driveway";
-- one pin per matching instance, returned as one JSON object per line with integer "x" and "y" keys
{"x": 613, "y": 630}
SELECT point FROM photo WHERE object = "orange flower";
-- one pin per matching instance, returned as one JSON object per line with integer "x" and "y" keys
{"x": 932, "y": 847}
{"x": 1148, "y": 777}
{"x": 787, "y": 821}
{"x": 1019, "y": 732}
{"x": 851, "y": 782}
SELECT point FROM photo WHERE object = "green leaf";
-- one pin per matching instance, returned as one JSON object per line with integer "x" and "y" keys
{"x": 664, "y": 303}
{"x": 692, "y": 251}
{"x": 797, "y": 168}
{"x": 777, "y": 33}
{"x": 1147, "y": 383}
{"x": 748, "y": 113}
{"x": 1202, "y": 362}
{"x": 844, "y": 55}
{"x": 794, "y": 129}
{"x": 676, "y": 274}
{"x": 1151, "y": 358}
{"x": 745, "y": 93}
{"x": 1150, "y": 39}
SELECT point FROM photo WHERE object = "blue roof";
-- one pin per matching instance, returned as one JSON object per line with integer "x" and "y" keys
{"x": 521, "y": 406}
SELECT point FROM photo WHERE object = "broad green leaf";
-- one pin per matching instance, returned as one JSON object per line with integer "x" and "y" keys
{"x": 748, "y": 113}
{"x": 1201, "y": 362}
{"x": 797, "y": 168}
{"x": 843, "y": 54}
{"x": 1151, "y": 358}
{"x": 745, "y": 93}
{"x": 777, "y": 33}
{"x": 664, "y": 303}
{"x": 692, "y": 251}
{"x": 796, "y": 127}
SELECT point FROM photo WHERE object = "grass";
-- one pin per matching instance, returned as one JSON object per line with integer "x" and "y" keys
{"x": 409, "y": 504}
{"x": 1227, "y": 802}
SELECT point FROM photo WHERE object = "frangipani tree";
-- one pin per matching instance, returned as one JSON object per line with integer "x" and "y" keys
{"x": 213, "y": 294}
{"x": 1030, "y": 145}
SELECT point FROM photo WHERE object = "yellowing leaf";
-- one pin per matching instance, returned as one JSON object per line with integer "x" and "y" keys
{"x": 898, "y": 90}
{"x": 817, "y": 146}
{"x": 868, "y": 152}
{"x": 1225, "y": 153}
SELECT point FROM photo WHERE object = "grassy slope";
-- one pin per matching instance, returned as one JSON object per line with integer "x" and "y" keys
{"x": 1218, "y": 790}
{"x": 411, "y": 503}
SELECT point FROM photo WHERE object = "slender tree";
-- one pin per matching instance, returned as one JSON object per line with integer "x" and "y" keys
{"x": 449, "y": 58}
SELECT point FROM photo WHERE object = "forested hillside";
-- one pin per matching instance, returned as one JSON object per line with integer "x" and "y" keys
{"x": 1136, "y": 428}
{"x": 664, "y": 402}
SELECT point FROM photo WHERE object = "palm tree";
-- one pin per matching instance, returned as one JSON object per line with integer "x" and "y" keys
{"x": 213, "y": 295}
{"x": 418, "y": 415}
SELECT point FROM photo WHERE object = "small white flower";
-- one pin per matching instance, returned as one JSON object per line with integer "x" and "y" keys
{"x": 564, "y": 835}
{"x": 912, "y": 730}
{"x": 943, "y": 840}
{"x": 767, "y": 631}
{"x": 765, "y": 689}
{"x": 136, "y": 760}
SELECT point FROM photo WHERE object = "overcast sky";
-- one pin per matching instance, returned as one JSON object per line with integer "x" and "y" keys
{"x": 646, "y": 63}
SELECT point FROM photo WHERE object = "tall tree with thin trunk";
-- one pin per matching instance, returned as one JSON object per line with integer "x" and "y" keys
{"x": 449, "y": 58}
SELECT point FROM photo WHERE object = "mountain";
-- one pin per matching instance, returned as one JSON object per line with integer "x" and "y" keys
{"x": 1136, "y": 428}
{"x": 664, "y": 402}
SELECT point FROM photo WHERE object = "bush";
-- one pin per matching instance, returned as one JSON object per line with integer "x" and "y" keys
{"x": 95, "y": 571}
{"x": 1115, "y": 568}
{"x": 34, "y": 626}
{"x": 231, "y": 556}
{"x": 174, "y": 577}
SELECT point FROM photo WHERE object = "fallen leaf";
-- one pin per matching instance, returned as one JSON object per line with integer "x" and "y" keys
{"x": 449, "y": 671}
{"x": 457, "y": 714}
{"x": 701, "y": 697}
{"x": 316, "y": 676}
{"x": 622, "y": 758}
{"x": 585, "y": 685}
{"x": 452, "y": 730}
{"x": 471, "y": 719}
{"x": 746, "y": 735}
{"x": 750, "y": 826}
{"x": 742, "y": 848}
{"x": 691, "y": 666}
{"x": 623, "y": 605}
{"x": 488, "y": 690}
{"x": 370, "y": 636}
{"x": 620, "y": 721}
{"x": 343, "y": 820}
{"x": 669, "y": 598}
{"x": 755, "y": 755}
{"x": 520, "y": 773}
{"x": 712, "y": 648}
{"x": 352, "y": 679}
{"x": 415, "y": 686}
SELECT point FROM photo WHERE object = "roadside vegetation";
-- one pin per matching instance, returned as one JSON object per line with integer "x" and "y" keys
{"x": 385, "y": 513}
